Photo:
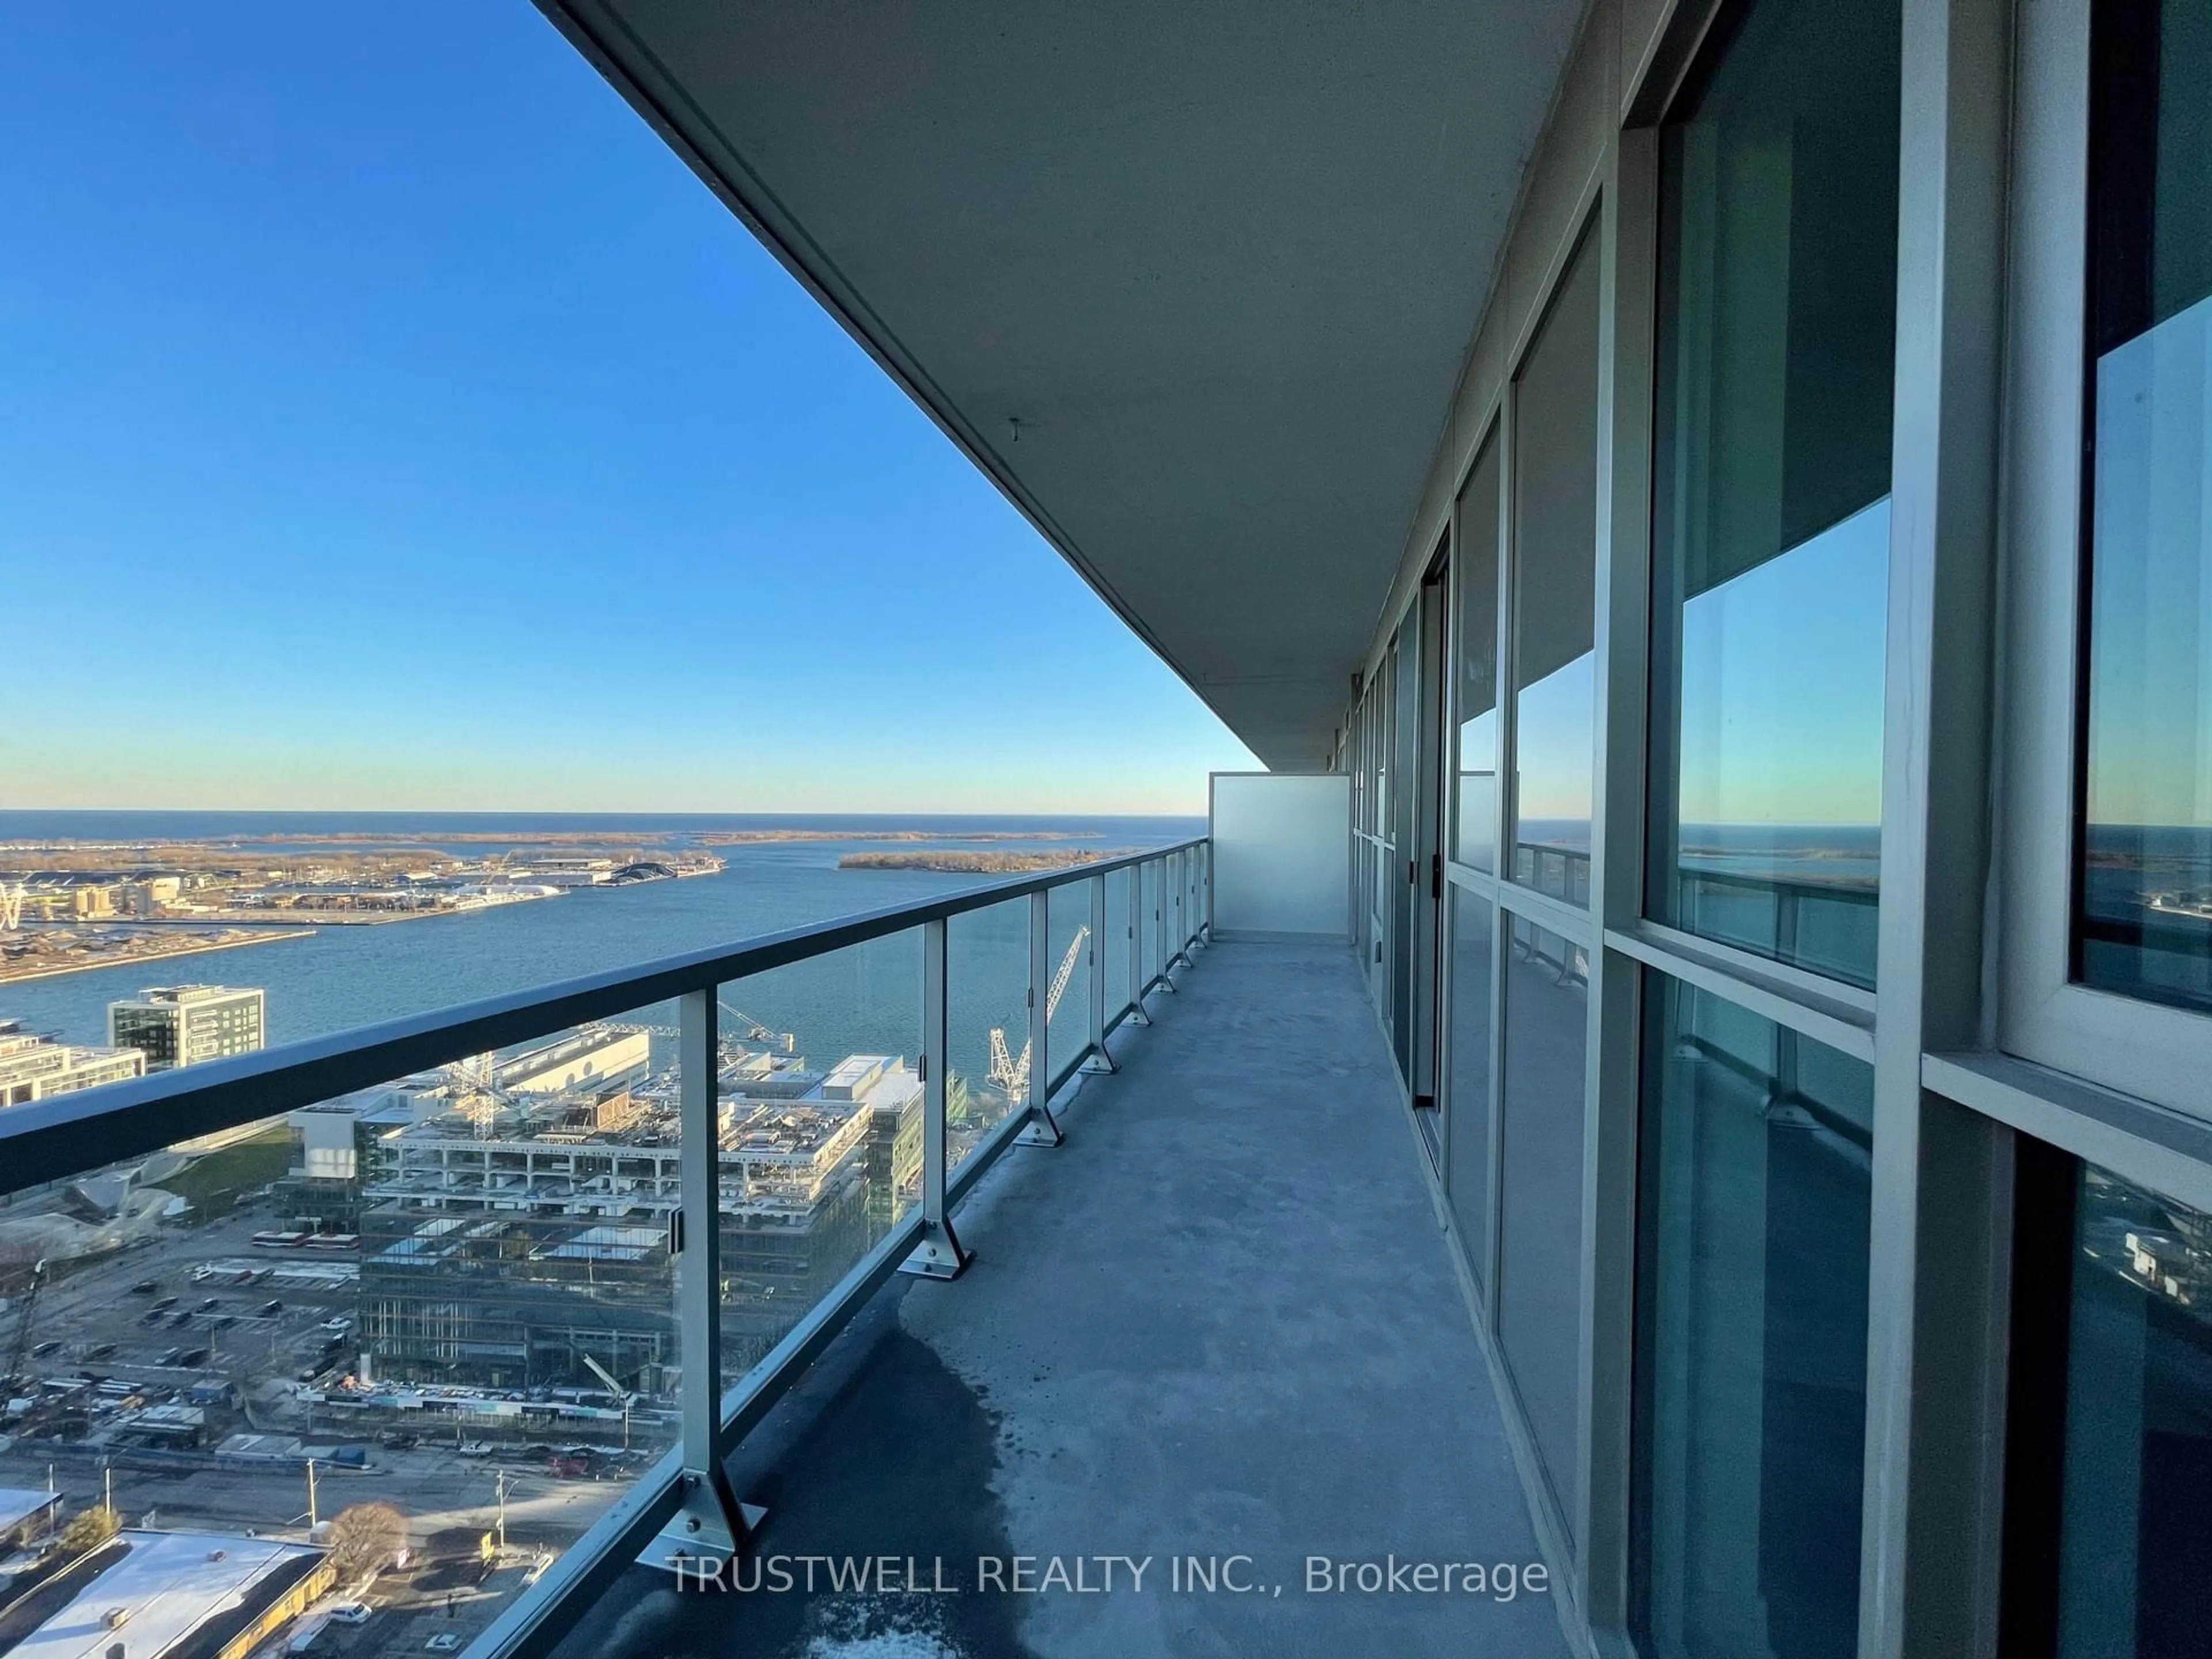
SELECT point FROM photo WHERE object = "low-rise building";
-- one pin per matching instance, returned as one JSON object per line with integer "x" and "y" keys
{"x": 32, "y": 1067}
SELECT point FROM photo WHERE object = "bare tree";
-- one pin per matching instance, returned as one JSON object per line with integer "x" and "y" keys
{"x": 88, "y": 1530}
{"x": 366, "y": 1539}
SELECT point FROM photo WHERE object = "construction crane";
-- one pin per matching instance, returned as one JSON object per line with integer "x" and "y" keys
{"x": 624, "y": 1398}
{"x": 26, "y": 1316}
{"x": 1012, "y": 1076}
{"x": 12, "y": 895}
{"x": 477, "y": 1093}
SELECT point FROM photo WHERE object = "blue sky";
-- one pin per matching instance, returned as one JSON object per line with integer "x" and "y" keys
{"x": 393, "y": 422}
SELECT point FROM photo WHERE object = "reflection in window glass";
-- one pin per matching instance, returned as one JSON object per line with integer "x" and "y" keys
{"x": 1771, "y": 533}
{"x": 1546, "y": 1002}
{"x": 2143, "y": 925}
{"x": 1554, "y": 589}
{"x": 1467, "y": 1096}
{"x": 1474, "y": 793}
{"x": 2135, "y": 1540}
{"x": 1755, "y": 1193}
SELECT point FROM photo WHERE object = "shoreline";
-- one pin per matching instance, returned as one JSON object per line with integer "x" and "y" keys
{"x": 6, "y": 977}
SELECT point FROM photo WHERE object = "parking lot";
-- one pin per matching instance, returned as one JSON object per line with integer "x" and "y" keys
{"x": 200, "y": 1314}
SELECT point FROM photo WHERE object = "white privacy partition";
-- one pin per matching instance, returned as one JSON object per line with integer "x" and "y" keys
{"x": 1280, "y": 861}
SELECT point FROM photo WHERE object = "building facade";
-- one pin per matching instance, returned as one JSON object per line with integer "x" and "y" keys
{"x": 187, "y": 1024}
{"x": 33, "y": 1068}
{"x": 1780, "y": 851}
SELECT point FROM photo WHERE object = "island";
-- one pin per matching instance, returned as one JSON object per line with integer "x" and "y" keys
{"x": 961, "y": 862}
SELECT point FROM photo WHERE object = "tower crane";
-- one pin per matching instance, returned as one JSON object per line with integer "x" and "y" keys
{"x": 1012, "y": 1075}
{"x": 25, "y": 1315}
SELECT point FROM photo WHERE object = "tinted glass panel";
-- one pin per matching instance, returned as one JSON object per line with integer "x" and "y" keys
{"x": 1540, "y": 1275}
{"x": 2144, "y": 890}
{"x": 2136, "y": 1534}
{"x": 1751, "y": 1335}
{"x": 1554, "y": 588}
{"x": 1777, "y": 318}
{"x": 1467, "y": 1096}
{"x": 1474, "y": 796}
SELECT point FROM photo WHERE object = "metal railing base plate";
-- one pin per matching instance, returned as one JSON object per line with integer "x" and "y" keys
{"x": 708, "y": 1528}
{"x": 939, "y": 1255}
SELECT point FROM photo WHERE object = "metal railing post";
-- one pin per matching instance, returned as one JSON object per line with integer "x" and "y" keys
{"x": 940, "y": 1254}
{"x": 1208, "y": 913}
{"x": 709, "y": 1523}
{"x": 1098, "y": 1060}
{"x": 1044, "y": 1128}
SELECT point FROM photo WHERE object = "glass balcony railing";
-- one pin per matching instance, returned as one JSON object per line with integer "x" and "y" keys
{"x": 461, "y": 1314}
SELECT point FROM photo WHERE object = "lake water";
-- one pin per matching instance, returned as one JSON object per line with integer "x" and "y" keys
{"x": 867, "y": 999}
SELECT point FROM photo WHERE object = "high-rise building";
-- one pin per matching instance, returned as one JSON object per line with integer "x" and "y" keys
{"x": 185, "y": 1024}
{"x": 1691, "y": 1079}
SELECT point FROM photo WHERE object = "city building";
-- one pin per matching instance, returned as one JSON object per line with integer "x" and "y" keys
{"x": 179, "y": 1596}
{"x": 590, "y": 1057}
{"x": 506, "y": 1239}
{"x": 32, "y": 1067}
{"x": 187, "y": 1025}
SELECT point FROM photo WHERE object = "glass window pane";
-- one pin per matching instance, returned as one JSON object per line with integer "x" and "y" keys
{"x": 2136, "y": 1550}
{"x": 1539, "y": 1274}
{"x": 987, "y": 966}
{"x": 1751, "y": 1319}
{"x": 1770, "y": 531}
{"x": 1554, "y": 588}
{"x": 1466, "y": 1097}
{"x": 1067, "y": 1033}
{"x": 1474, "y": 793}
{"x": 820, "y": 1112}
{"x": 2144, "y": 926}
{"x": 1119, "y": 944}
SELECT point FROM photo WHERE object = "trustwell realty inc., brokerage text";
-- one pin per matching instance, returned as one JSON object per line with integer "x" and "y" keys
{"x": 1108, "y": 1575}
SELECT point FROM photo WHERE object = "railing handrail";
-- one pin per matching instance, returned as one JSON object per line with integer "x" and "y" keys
{"x": 47, "y": 1140}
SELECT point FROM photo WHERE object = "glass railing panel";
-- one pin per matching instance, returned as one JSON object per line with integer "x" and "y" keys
{"x": 423, "y": 1335}
{"x": 1827, "y": 925}
{"x": 1070, "y": 955}
{"x": 1119, "y": 942}
{"x": 986, "y": 1015}
{"x": 819, "y": 1104}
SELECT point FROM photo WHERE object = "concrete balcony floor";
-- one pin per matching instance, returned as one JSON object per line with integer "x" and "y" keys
{"x": 1219, "y": 1321}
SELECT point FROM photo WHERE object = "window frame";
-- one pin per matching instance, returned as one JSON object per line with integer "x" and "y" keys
{"x": 2158, "y": 1052}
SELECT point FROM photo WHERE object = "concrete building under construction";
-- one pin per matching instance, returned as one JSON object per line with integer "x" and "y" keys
{"x": 508, "y": 1241}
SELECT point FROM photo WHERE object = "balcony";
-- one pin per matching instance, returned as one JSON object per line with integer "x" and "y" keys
{"x": 1168, "y": 1294}
{"x": 1219, "y": 1320}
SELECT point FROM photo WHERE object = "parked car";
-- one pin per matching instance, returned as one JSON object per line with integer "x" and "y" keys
{"x": 167, "y": 1356}
{"x": 46, "y": 1348}
{"x": 340, "y": 1325}
{"x": 151, "y": 1316}
{"x": 192, "y": 1357}
{"x": 144, "y": 1287}
{"x": 209, "y": 1305}
{"x": 222, "y": 1321}
{"x": 101, "y": 1351}
{"x": 164, "y": 1304}
{"x": 350, "y": 1612}
{"x": 179, "y": 1320}
{"x": 444, "y": 1641}
{"x": 271, "y": 1308}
